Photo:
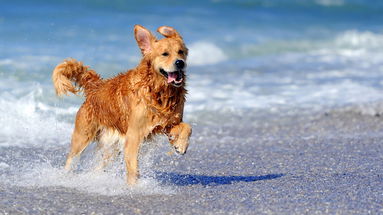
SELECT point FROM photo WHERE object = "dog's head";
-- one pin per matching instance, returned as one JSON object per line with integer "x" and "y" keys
{"x": 168, "y": 55}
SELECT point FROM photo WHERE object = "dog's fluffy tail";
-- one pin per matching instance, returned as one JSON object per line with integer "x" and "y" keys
{"x": 70, "y": 71}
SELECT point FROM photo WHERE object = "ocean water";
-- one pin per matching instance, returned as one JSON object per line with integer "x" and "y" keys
{"x": 248, "y": 60}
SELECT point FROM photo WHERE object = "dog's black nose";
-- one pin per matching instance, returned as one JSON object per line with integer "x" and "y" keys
{"x": 180, "y": 64}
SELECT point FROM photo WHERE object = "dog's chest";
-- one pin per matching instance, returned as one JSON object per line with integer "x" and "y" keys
{"x": 164, "y": 116}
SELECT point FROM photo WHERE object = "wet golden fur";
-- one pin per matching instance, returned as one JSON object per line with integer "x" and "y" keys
{"x": 132, "y": 106}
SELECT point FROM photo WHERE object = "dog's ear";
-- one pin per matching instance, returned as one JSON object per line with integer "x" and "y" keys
{"x": 168, "y": 31}
{"x": 144, "y": 39}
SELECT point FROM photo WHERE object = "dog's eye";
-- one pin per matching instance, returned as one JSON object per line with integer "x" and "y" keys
{"x": 165, "y": 54}
{"x": 180, "y": 52}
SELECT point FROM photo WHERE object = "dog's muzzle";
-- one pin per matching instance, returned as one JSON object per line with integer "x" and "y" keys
{"x": 175, "y": 78}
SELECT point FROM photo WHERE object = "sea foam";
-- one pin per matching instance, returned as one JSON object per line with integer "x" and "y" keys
{"x": 111, "y": 181}
{"x": 205, "y": 53}
{"x": 27, "y": 121}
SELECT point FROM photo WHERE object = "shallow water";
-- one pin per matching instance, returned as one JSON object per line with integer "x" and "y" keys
{"x": 262, "y": 78}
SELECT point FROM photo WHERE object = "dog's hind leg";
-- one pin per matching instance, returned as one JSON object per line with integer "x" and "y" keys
{"x": 84, "y": 132}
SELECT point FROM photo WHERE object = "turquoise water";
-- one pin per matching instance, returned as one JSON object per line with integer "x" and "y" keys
{"x": 270, "y": 49}
{"x": 244, "y": 55}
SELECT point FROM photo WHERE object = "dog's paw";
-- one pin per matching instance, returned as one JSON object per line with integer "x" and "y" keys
{"x": 181, "y": 146}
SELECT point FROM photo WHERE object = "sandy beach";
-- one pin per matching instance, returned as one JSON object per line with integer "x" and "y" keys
{"x": 330, "y": 162}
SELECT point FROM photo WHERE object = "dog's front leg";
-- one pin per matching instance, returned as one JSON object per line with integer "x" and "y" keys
{"x": 132, "y": 146}
{"x": 179, "y": 137}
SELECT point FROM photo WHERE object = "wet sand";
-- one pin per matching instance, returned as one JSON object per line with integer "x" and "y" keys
{"x": 325, "y": 163}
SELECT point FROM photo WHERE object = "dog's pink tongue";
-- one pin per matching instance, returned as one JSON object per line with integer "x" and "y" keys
{"x": 172, "y": 76}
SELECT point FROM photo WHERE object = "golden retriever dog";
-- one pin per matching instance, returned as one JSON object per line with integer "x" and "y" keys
{"x": 132, "y": 106}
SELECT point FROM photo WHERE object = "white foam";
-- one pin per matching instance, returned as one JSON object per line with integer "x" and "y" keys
{"x": 311, "y": 89}
{"x": 330, "y": 2}
{"x": 26, "y": 121}
{"x": 98, "y": 182}
{"x": 87, "y": 179}
{"x": 354, "y": 39}
{"x": 204, "y": 53}
{"x": 3, "y": 165}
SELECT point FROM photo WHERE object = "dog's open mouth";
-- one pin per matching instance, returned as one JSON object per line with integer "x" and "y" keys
{"x": 175, "y": 78}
